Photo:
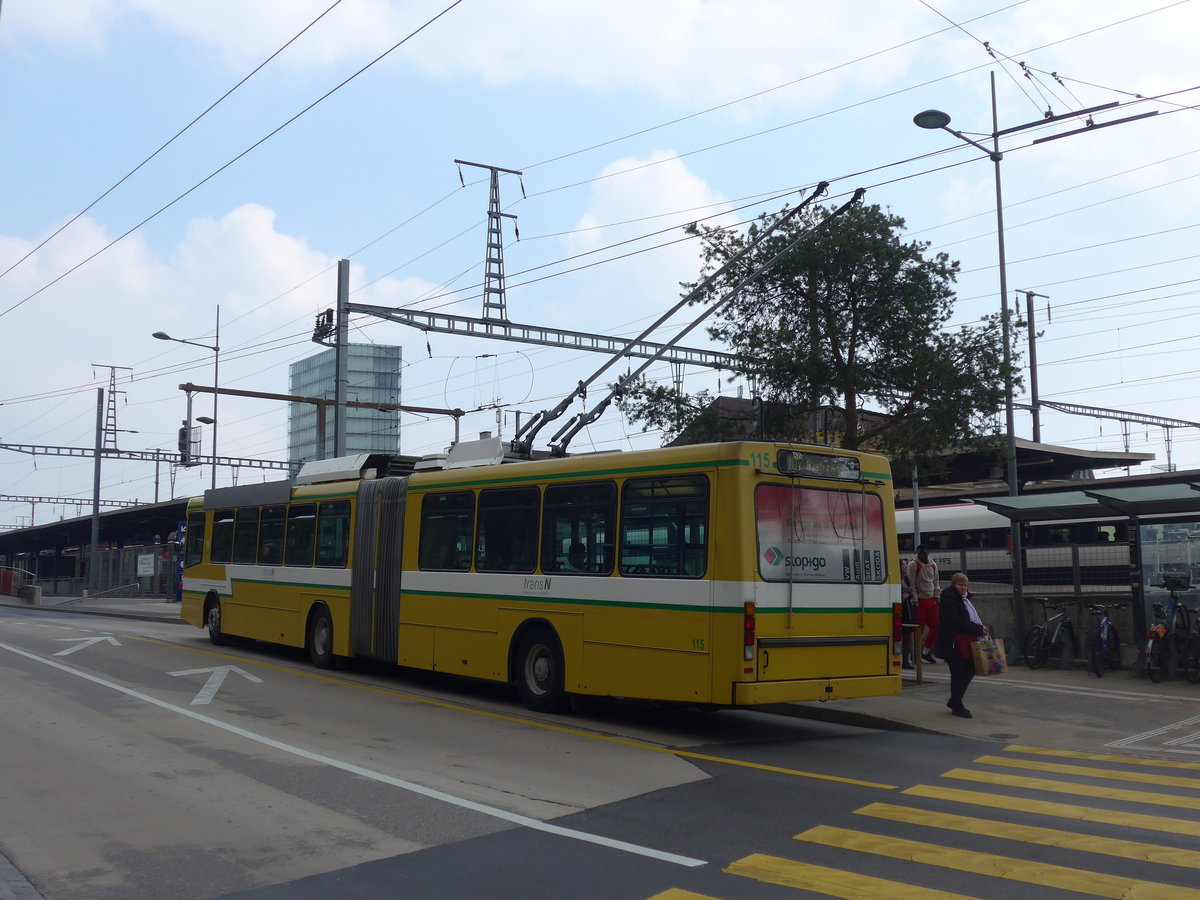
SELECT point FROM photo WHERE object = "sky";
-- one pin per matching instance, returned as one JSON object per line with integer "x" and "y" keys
{"x": 166, "y": 164}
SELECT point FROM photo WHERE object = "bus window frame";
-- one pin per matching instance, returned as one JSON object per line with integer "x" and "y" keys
{"x": 588, "y": 520}
{"x": 513, "y": 513}
{"x": 300, "y": 524}
{"x": 272, "y": 530}
{"x": 193, "y": 547}
{"x": 221, "y": 548}
{"x": 241, "y": 518}
{"x": 675, "y": 526}
{"x": 335, "y": 515}
{"x": 435, "y": 552}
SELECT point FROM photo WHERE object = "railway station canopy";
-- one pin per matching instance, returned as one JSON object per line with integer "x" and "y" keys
{"x": 1139, "y": 501}
{"x": 1035, "y": 463}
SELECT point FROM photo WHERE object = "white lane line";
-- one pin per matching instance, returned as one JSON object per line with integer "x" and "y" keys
{"x": 494, "y": 812}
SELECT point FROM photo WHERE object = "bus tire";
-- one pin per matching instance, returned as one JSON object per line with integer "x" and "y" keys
{"x": 212, "y": 621}
{"x": 539, "y": 670}
{"x": 320, "y": 637}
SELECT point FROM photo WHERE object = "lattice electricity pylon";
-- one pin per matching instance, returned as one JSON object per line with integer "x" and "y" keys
{"x": 495, "y": 303}
{"x": 110, "y": 410}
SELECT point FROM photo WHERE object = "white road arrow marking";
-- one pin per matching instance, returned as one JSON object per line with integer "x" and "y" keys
{"x": 87, "y": 642}
{"x": 215, "y": 680}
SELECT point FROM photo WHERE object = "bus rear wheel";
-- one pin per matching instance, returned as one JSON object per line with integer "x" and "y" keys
{"x": 212, "y": 621}
{"x": 539, "y": 670}
{"x": 320, "y": 638}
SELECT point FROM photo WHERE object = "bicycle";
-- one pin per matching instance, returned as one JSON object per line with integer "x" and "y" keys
{"x": 1168, "y": 637}
{"x": 1104, "y": 652}
{"x": 1049, "y": 636}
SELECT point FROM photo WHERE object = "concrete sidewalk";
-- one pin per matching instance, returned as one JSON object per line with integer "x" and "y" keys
{"x": 154, "y": 609}
{"x": 1069, "y": 709}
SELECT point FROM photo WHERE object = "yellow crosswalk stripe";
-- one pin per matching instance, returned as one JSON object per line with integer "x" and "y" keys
{"x": 1042, "y": 874}
{"x": 1079, "y": 790}
{"x": 680, "y": 894}
{"x": 1105, "y": 757}
{"x": 1058, "y": 810}
{"x": 1035, "y": 834}
{"x": 1034, "y": 765}
{"x": 834, "y": 882}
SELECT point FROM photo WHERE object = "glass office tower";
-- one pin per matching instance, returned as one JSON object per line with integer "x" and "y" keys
{"x": 373, "y": 374}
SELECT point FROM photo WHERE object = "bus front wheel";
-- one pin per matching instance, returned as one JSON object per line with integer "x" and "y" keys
{"x": 540, "y": 681}
{"x": 212, "y": 621}
{"x": 320, "y": 638}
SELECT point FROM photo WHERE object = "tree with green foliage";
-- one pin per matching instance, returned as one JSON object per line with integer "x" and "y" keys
{"x": 853, "y": 318}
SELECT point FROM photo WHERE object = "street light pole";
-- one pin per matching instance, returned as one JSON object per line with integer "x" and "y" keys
{"x": 217, "y": 361}
{"x": 215, "y": 347}
{"x": 936, "y": 119}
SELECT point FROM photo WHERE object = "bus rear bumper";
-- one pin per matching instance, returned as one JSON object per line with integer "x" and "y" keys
{"x": 759, "y": 693}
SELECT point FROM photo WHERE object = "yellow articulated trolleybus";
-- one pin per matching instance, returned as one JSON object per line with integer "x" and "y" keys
{"x": 729, "y": 574}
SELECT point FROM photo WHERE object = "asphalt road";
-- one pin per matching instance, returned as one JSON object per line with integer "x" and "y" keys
{"x": 139, "y": 762}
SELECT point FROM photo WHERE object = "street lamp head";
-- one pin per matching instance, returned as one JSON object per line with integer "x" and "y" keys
{"x": 207, "y": 420}
{"x": 162, "y": 336}
{"x": 931, "y": 118}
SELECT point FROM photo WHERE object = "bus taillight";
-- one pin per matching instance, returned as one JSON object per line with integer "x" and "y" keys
{"x": 750, "y": 626}
{"x": 897, "y": 628}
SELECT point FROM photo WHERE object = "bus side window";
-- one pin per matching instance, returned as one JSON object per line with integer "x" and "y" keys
{"x": 507, "y": 535}
{"x": 586, "y": 514}
{"x": 194, "y": 542}
{"x": 245, "y": 535}
{"x": 222, "y": 536}
{"x": 447, "y": 526}
{"x": 301, "y": 534}
{"x": 664, "y": 526}
{"x": 333, "y": 534}
{"x": 270, "y": 536}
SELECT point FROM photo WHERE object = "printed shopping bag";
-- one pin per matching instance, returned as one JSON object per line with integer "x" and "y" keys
{"x": 989, "y": 657}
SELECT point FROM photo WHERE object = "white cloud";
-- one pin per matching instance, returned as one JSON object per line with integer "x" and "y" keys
{"x": 621, "y": 293}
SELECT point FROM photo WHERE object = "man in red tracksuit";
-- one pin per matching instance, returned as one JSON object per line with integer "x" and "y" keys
{"x": 923, "y": 575}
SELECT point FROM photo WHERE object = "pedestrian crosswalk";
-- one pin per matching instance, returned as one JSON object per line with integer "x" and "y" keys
{"x": 1013, "y": 823}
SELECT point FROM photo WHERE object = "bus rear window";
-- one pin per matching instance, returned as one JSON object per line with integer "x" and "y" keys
{"x": 813, "y": 534}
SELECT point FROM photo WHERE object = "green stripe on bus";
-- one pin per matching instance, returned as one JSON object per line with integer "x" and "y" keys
{"x": 577, "y": 474}
{"x": 292, "y": 584}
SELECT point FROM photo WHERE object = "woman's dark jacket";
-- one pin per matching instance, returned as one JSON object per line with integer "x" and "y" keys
{"x": 953, "y": 619}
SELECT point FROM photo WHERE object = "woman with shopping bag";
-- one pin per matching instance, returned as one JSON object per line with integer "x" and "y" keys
{"x": 959, "y": 625}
